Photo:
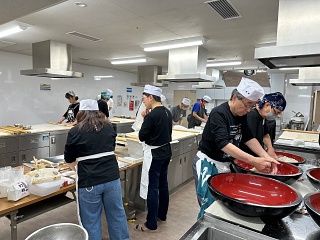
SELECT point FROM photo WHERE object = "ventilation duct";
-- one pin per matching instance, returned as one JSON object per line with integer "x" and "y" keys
{"x": 149, "y": 75}
{"x": 51, "y": 59}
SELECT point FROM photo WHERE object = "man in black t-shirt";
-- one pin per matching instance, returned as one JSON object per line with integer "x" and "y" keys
{"x": 225, "y": 129}
{"x": 155, "y": 133}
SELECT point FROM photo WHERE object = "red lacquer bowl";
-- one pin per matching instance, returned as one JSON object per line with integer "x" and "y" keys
{"x": 287, "y": 172}
{"x": 253, "y": 195}
{"x": 300, "y": 159}
{"x": 313, "y": 175}
{"x": 312, "y": 202}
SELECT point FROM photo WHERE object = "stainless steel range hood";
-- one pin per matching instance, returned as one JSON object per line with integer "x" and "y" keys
{"x": 218, "y": 84}
{"x": 149, "y": 75}
{"x": 51, "y": 59}
{"x": 307, "y": 77}
{"x": 298, "y": 37}
{"x": 187, "y": 64}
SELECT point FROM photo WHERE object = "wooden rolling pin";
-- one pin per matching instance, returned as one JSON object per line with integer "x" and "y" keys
{"x": 59, "y": 124}
{"x": 121, "y": 139}
{"x": 132, "y": 137}
{"x": 300, "y": 131}
{"x": 187, "y": 130}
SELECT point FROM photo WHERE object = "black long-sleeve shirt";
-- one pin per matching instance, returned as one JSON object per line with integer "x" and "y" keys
{"x": 93, "y": 171}
{"x": 258, "y": 128}
{"x": 221, "y": 129}
{"x": 156, "y": 130}
{"x": 103, "y": 107}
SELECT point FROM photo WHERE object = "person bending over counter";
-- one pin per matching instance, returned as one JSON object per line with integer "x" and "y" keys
{"x": 226, "y": 127}
{"x": 198, "y": 113}
{"x": 72, "y": 111}
{"x": 269, "y": 108}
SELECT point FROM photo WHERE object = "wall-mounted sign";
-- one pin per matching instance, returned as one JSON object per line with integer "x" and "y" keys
{"x": 45, "y": 86}
{"x": 131, "y": 105}
{"x": 129, "y": 89}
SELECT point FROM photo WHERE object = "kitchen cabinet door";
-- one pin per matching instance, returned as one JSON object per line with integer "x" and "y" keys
{"x": 27, "y": 155}
{"x": 175, "y": 172}
{"x": 9, "y": 159}
{"x": 187, "y": 161}
{"x": 57, "y": 144}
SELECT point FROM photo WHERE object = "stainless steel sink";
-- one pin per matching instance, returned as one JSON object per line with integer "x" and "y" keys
{"x": 211, "y": 228}
{"x": 215, "y": 233}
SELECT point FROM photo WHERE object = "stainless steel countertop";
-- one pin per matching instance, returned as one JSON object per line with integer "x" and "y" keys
{"x": 293, "y": 227}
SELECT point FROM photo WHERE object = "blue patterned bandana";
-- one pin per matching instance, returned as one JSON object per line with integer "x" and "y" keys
{"x": 276, "y": 100}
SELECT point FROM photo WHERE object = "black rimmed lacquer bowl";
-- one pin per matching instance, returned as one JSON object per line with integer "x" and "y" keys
{"x": 312, "y": 203}
{"x": 287, "y": 173}
{"x": 313, "y": 175}
{"x": 296, "y": 158}
{"x": 254, "y": 196}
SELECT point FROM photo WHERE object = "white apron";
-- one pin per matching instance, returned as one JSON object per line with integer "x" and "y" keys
{"x": 147, "y": 159}
{"x": 98, "y": 155}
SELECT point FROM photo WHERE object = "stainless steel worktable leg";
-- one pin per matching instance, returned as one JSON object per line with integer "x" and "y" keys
{"x": 14, "y": 230}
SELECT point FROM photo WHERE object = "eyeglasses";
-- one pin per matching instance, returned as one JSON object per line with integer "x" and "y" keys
{"x": 247, "y": 106}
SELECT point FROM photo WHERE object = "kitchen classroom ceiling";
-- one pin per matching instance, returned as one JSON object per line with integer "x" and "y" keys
{"x": 124, "y": 25}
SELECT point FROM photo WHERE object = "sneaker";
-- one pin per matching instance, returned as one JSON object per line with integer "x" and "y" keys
{"x": 161, "y": 221}
{"x": 143, "y": 228}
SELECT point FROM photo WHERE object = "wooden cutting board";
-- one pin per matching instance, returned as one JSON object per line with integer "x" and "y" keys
{"x": 307, "y": 137}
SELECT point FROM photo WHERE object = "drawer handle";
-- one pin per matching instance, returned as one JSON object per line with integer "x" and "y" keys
{"x": 13, "y": 159}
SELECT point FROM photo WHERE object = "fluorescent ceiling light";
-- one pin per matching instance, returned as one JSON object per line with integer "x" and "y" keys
{"x": 97, "y": 78}
{"x": 227, "y": 63}
{"x": 285, "y": 69}
{"x": 13, "y": 30}
{"x": 128, "y": 60}
{"x": 80, "y": 4}
{"x": 178, "y": 43}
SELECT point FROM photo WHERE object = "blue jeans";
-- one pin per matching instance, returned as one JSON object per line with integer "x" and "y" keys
{"x": 91, "y": 201}
{"x": 158, "y": 193}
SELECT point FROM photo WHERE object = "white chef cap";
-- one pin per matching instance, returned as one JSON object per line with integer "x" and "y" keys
{"x": 163, "y": 97}
{"x": 250, "y": 89}
{"x": 186, "y": 101}
{"x": 207, "y": 98}
{"x": 152, "y": 90}
{"x": 109, "y": 92}
{"x": 88, "y": 104}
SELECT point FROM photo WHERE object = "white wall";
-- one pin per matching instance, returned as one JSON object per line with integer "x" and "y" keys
{"x": 298, "y": 99}
{"x": 23, "y": 102}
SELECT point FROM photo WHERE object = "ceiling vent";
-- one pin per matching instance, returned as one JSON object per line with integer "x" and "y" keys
{"x": 224, "y": 9}
{"x": 84, "y": 36}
